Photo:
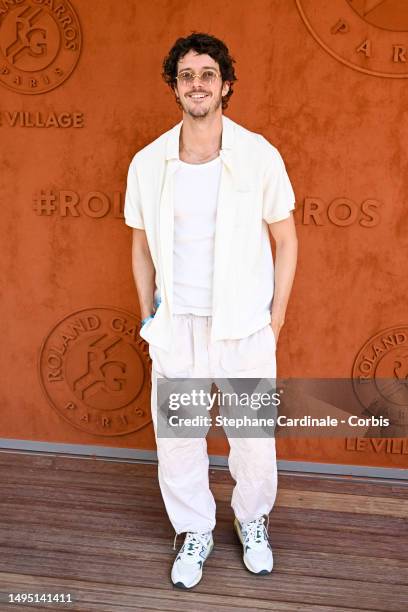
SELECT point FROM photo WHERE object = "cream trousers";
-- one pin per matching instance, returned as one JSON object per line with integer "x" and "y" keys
{"x": 183, "y": 463}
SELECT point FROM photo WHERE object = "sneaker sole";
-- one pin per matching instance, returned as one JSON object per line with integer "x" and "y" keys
{"x": 181, "y": 585}
{"x": 263, "y": 572}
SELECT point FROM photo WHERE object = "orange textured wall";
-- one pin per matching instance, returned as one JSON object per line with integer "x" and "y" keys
{"x": 324, "y": 82}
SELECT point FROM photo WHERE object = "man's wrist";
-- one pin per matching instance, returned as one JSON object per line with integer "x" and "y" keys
{"x": 277, "y": 321}
{"x": 146, "y": 319}
{"x": 152, "y": 311}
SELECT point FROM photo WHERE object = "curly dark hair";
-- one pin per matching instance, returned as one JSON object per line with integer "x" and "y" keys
{"x": 201, "y": 43}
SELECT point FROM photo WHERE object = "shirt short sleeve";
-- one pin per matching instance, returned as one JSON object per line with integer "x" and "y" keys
{"x": 133, "y": 207}
{"x": 278, "y": 195}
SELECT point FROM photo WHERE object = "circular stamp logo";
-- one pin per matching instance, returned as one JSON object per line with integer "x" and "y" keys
{"x": 370, "y": 36}
{"x": 380, "y": 374}
{"x": 40, "y": 43}
{"x": 93, "y": 367}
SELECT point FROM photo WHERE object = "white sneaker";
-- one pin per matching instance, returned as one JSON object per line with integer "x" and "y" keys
{"x": 187, "y": 568}
{"x": 257, "y": 550}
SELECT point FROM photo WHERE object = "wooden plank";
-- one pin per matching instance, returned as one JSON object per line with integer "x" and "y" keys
{"x": 100, "y": 493}
{"x": 107, "y": 499}
{"x": 336, "y": 502}
{"x": 131, "y": 521}
{"x": 32, "y": 460}
{"x": 238, "y": 583}
{"x": 130, "y": 473}
{"x": 119, "y": 596}
{"x": 120, "y": 500}
{"x": 347, "y": 484}
{"x": 325, "y": 564}
{"x": 335, "y": 483}
{"x": 20, "y": 474}
{"x": 94, "y": 465}
{"x": 340, "y": 521}
{"x": 344, "y": 484}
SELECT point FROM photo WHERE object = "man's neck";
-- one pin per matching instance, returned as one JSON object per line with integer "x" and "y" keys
{"x": 200, "y": 138}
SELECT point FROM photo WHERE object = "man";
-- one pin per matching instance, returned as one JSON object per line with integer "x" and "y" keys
{"x": 200, "y": 199}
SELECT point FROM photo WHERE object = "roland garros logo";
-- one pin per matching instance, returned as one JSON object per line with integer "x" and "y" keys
{"x": 40, "y": 43}
{"x": 370, "y": 36}
{"x": 380, "y": 374}
{"x": 94, "y": 369}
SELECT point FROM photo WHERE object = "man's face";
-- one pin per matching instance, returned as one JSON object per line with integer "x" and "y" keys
{"x": 187, "y": 94}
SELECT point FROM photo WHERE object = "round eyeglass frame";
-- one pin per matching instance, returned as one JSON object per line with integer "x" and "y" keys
{"x": 179, "y": 77}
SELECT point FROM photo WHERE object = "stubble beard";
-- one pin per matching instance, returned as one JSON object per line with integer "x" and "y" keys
{"x": 201, "y": 113}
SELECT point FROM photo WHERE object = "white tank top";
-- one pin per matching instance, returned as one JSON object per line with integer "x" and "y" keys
{"x": 195, "y": 208}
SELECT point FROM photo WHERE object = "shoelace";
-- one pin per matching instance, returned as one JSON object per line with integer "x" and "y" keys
{"x": 256, "y": 530}
{"x": 193, "y": 543}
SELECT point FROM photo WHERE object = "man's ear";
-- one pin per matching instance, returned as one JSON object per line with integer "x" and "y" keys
{"x": 225, "y": 88}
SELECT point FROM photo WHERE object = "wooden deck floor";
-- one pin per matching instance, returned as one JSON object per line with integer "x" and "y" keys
{"x": 98, "y": 529}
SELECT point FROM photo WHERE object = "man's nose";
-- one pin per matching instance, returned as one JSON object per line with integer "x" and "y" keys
{"x": 197, "y": 76}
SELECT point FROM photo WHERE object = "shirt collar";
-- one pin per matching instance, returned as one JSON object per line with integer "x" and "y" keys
{"x": 227, "y": 138}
